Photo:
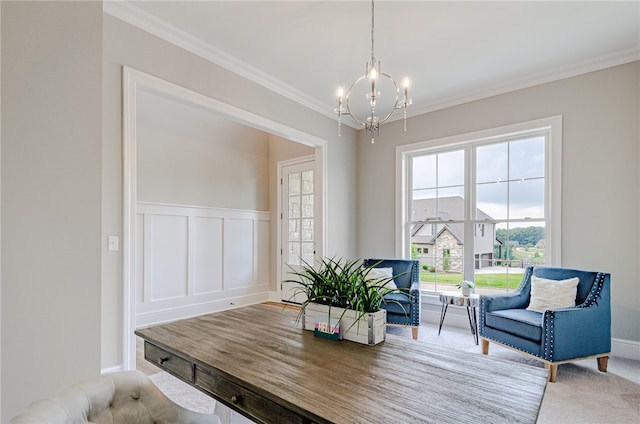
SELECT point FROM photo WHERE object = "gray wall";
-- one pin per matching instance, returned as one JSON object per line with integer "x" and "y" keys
{"x": 62, "y": 183}
{"x": 51, "y": 201}
{"x": 600, "y": 179}
{"x": 124, "y": 44}
{"x": 188, "y": 156}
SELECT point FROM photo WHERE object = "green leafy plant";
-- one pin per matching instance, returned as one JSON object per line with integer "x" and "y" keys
{"x": 465, "y": 283}
{"x": 343, "y": 284}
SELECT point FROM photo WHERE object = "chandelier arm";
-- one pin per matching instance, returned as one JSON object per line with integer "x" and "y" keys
{"x": 365, "y": 123}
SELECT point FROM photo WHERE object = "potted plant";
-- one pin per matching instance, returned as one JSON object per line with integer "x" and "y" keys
{"x": 340, "y": 292}
{"x": 467, "y": 287}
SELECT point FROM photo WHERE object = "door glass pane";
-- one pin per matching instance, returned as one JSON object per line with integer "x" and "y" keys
{"x": 307, "y": 182}
{"x": 300, "y": 210}
{"x": 294, "y": 207}
{"x": 294, "y": 253}
{"x": 294, "y": 184}
{"x": 294, "y": 230}
{"x": 307, "y": 206}
{"x": 307, "y": 229}
{"x": 308, "y": 252}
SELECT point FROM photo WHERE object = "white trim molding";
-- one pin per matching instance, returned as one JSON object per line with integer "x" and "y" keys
{"x": 131, "y": 14}
{"x": 133, "y": 82}
{"x": 623, "y": 348}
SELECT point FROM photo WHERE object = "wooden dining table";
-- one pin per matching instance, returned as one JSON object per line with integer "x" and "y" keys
{"x": 258, "y": 361}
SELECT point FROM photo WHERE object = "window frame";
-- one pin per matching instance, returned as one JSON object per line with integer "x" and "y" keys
{"x": 550, "y": 127}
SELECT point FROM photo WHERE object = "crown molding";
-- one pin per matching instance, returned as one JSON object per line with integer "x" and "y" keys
{"x": 150, "y": 23}
{"x": 592, "y": 65}
{"x": 139, "y": 18}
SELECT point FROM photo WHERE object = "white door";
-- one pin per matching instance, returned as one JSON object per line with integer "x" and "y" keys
{"x": 299, "y": 223}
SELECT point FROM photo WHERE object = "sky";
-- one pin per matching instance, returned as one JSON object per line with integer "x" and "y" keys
{"x": 509, "y": 177}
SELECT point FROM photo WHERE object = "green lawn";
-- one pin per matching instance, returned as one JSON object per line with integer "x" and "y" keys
{"x": 529, "y": 253}
{"x": 498, "y": 281}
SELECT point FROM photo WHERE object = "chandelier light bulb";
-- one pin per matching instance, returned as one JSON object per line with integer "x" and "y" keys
{"x": 373, "y": 74}
{"x": 340, "y": 91}
{"x": 405, "y": 83}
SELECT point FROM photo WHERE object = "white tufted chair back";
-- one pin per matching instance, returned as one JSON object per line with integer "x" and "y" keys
{"x": 121, "y": 397}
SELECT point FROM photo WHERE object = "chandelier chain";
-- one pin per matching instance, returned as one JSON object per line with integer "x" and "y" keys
{"x": 373, "y": 59}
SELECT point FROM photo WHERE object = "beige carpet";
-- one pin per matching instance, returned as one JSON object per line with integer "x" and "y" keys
{"x": 183, "y": 394}
{"x": 581, "y": 394}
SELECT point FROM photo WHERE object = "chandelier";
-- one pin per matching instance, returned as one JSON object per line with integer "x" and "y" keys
{"x": 372, "y": 108}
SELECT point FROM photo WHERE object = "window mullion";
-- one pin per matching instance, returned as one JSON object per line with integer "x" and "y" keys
{"x": 469, "y": 196}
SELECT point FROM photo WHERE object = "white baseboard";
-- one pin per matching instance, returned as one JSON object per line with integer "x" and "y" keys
{"x": 625, "y": 349}
{"x": 189, "y": 311}
{"x": 114, "y": 368}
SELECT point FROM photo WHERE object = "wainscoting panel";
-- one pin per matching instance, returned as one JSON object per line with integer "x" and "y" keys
{"x": 193, "y": 260}
{"x": 208, "y": 254}
{"x": 166, "y": 259}
{"x": 238, "y": 253}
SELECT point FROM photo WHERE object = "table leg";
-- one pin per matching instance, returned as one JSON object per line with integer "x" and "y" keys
{"x": 443, "y": 312}
{"x": 473, "y": 322}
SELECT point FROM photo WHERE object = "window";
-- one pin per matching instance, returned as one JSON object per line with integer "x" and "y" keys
{"x": 486, "y": 204}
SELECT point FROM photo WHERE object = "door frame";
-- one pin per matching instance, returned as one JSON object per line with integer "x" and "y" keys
{"x": 319, "y": 196}
{"x": 132, "y": 82}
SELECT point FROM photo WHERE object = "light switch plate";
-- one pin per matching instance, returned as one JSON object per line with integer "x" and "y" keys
{"x": 113, "y": 244}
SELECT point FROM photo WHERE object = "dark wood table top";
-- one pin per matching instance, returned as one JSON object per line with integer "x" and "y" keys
{"x": 263, "y": 349}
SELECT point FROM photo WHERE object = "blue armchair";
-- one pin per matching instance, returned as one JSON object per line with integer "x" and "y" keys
{"x": 402, "y": 308}
{"x": 555, "y": 336}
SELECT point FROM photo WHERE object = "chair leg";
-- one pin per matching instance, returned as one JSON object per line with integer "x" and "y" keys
{"x": 553, "y": 371}
{"x": 414, "y": 333}
{"x": 603, "y": 361}
{"x": 485, "y": 346}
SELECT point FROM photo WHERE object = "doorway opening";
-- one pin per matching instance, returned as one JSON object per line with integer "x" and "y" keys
{"x": 135, "y": 83}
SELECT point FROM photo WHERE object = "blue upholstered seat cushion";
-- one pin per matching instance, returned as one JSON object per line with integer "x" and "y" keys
{"x": 397, "y": 303}
{"x": 519, "y": 322}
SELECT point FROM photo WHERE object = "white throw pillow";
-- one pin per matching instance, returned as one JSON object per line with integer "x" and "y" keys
{"x": 552, "y": 294}
{"x": 382, "y": 273}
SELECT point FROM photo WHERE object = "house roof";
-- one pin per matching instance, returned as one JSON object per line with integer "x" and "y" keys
{"x": 439, "y": 211}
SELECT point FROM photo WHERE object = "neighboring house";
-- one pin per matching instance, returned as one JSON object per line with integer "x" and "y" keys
{"x": 439, "y": 243}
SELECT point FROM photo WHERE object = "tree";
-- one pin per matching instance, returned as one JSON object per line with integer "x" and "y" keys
{"x": 528, "y": 236}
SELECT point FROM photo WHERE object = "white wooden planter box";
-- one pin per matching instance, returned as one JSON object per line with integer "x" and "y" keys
{"x": 371, "y": 329}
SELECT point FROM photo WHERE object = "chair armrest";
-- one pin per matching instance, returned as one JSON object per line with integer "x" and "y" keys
{"x": 497, "y": 302}
{"x": 576, "y": 332}
{"x": 414, "y": 290}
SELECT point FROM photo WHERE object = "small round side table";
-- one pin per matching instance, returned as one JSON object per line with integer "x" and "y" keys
{"x": 456, "y": 298}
